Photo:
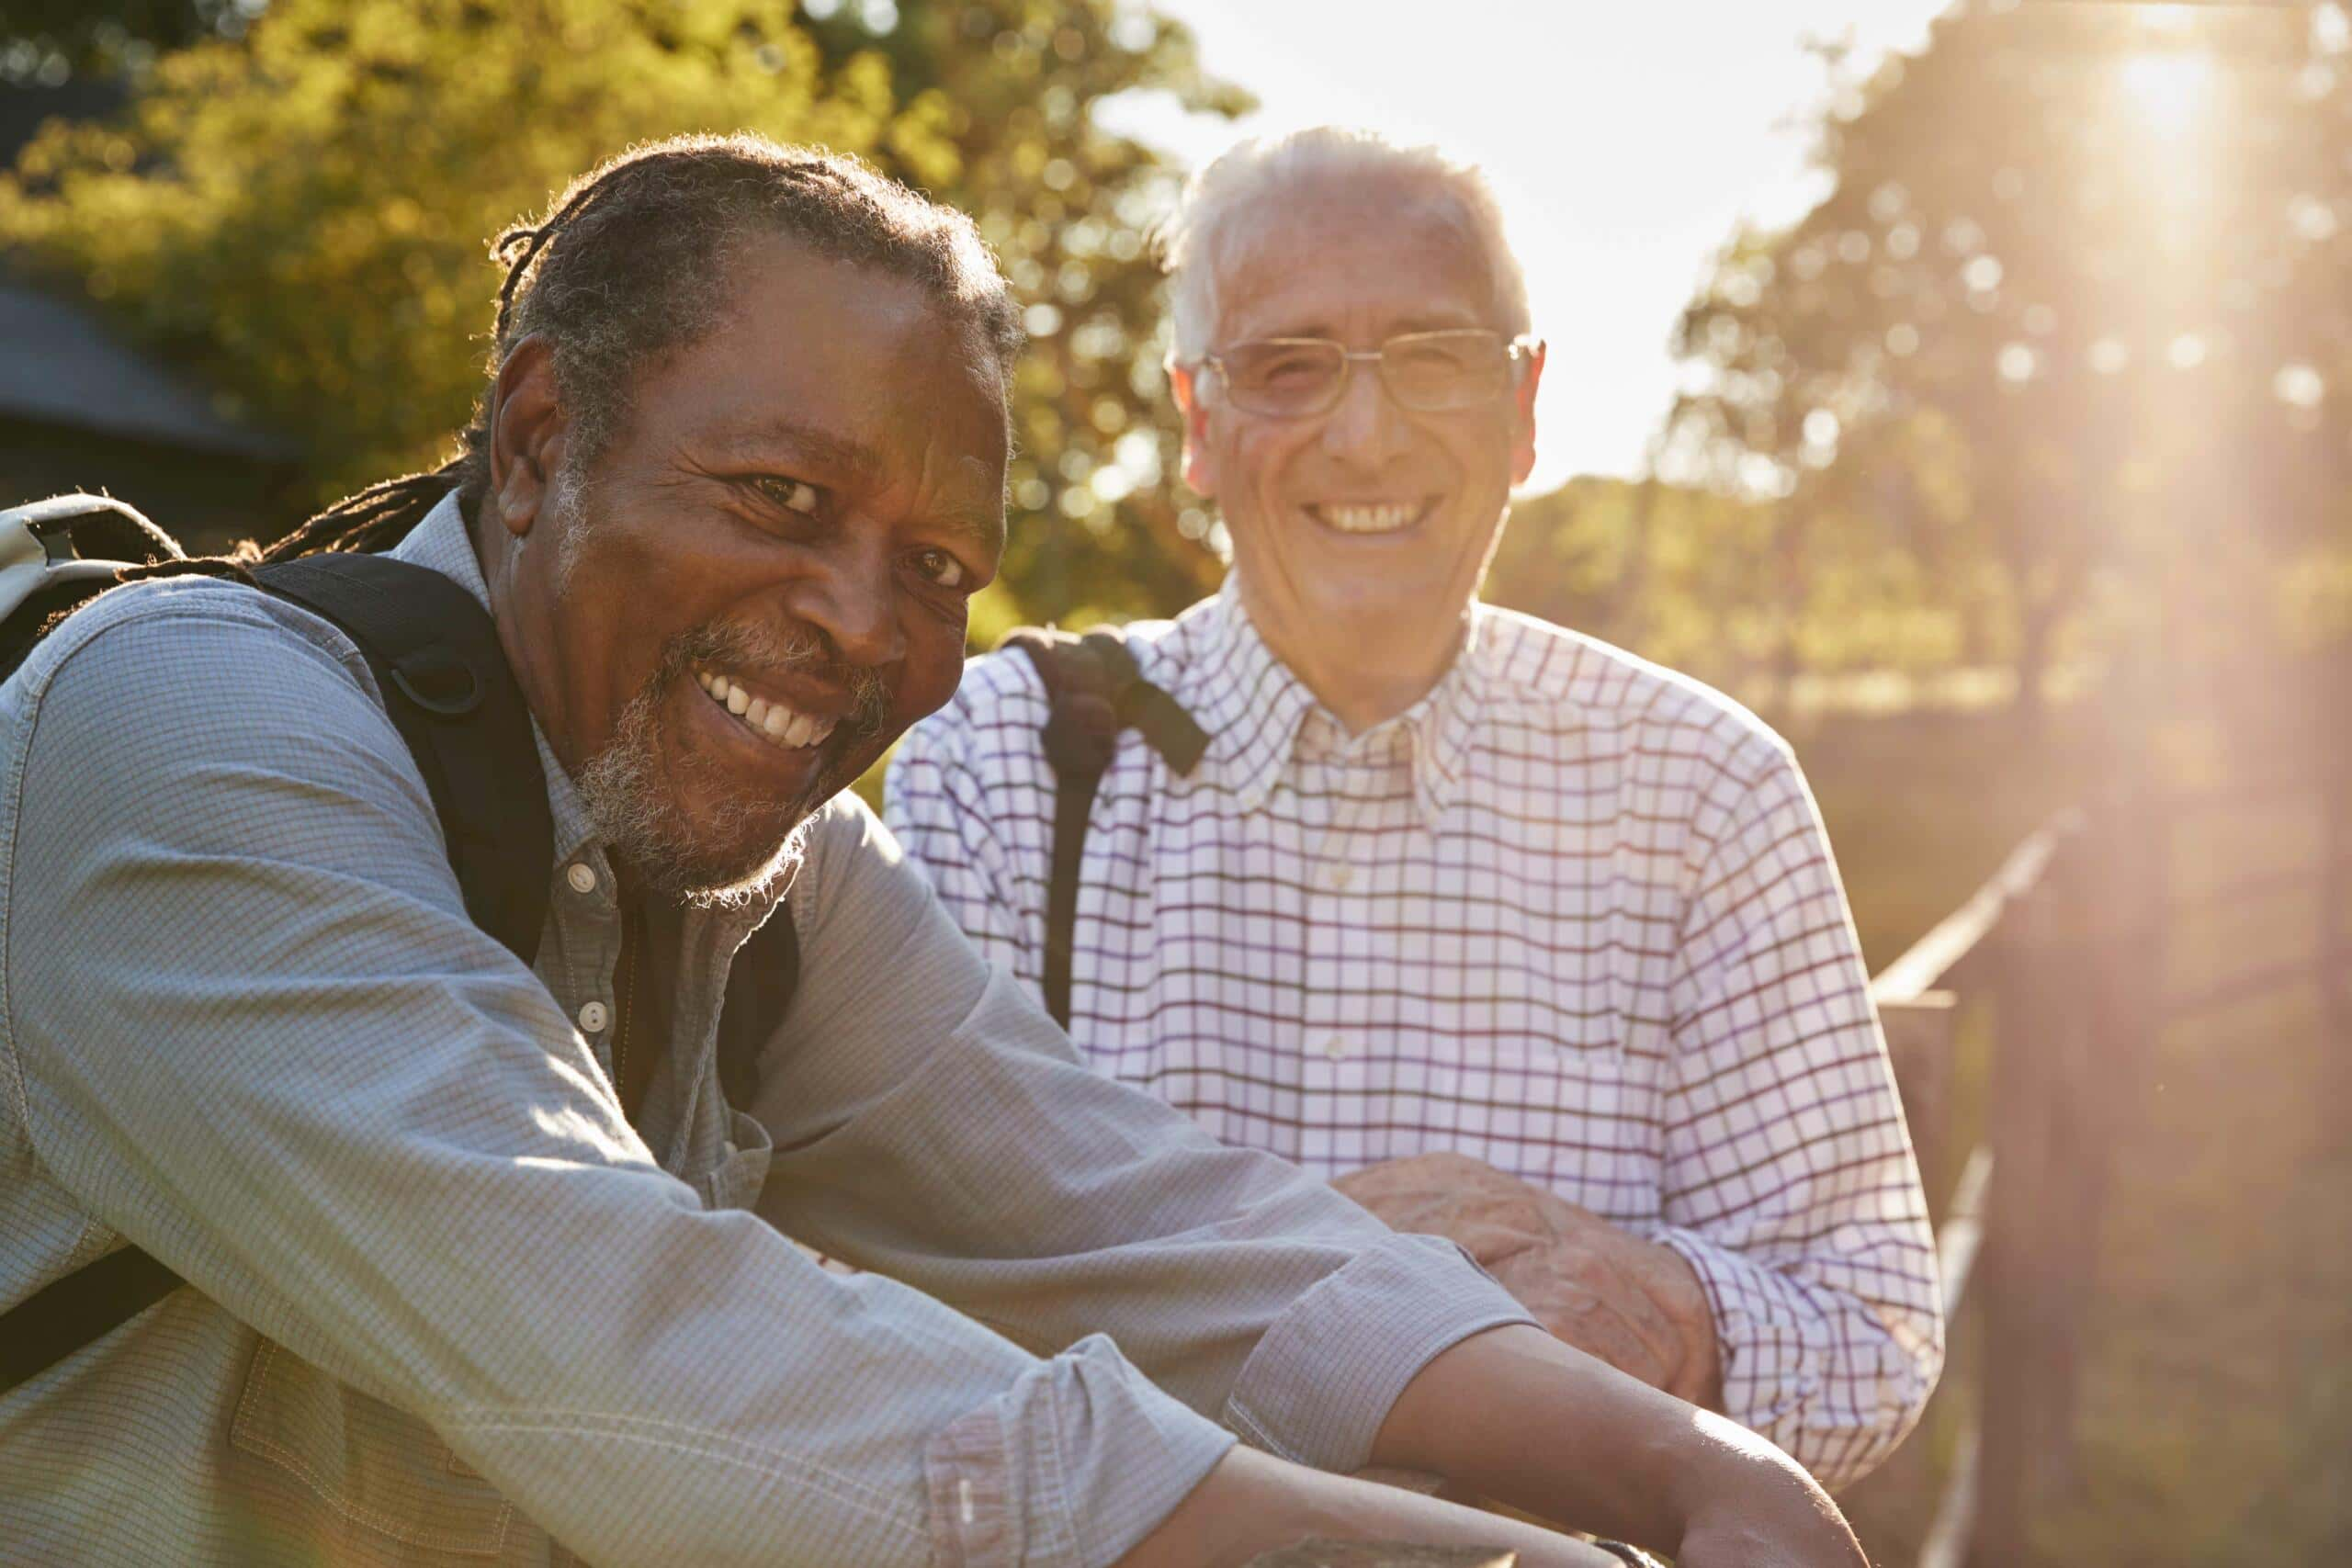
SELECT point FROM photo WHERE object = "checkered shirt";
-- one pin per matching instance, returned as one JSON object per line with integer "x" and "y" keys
{"x": 1571, "y": 914}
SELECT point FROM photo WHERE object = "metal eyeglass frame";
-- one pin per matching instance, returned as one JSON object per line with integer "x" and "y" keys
{"x": 1517, "y": 352}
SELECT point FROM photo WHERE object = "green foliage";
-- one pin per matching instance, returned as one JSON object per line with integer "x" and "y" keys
{"x": 302, "y": 213}
{"x": 2057, "y": 364}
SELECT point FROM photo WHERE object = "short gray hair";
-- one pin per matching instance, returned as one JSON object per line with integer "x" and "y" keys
{"x": 1199, "y": 239}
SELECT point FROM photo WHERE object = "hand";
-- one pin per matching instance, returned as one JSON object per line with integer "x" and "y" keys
{"x": 1490, "y": 1215}
{"x": 1634, "y": 1303}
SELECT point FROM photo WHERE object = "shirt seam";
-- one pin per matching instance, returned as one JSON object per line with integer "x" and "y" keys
{"x": 679, "y": 1437}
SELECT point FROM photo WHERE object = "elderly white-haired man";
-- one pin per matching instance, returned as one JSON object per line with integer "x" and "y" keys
{"x": 1515, "y": 937}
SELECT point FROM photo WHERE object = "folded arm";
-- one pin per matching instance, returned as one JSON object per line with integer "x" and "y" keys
{"x": 1789, "y": 1180}
{"x": 250, "y": 1027}
{"x": 999, "y": 1174}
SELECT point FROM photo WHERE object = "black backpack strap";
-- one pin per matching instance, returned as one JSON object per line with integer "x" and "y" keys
{"x": 95, "y": 1299}
{"x": 1093, "y": 690}
{"x": 436, "y": 655}
{"x": 765, "y": 973}
{"x": 447, "y": 686}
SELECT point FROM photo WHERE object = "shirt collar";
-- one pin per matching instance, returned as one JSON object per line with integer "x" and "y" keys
{"x": 1253, "y": 706}
{"x": 442, "y": 541}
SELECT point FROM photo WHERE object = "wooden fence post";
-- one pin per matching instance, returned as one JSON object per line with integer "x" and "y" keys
{"x": 1919, "y": 1043}
{"x": 2109, "y": 890}
{"x": 2336, "y": 887}
{"x": 2029, "y": 1046}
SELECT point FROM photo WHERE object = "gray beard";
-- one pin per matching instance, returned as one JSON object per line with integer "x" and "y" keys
{"x": 626, "y": 786}
{"x": 634, "y": 813}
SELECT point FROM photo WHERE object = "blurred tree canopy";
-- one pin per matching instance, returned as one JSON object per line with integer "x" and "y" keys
{"x": 299, "y": 204}
{"x": 2055, "y": 371}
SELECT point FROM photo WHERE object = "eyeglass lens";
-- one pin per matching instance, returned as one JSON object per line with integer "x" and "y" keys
{"x": 1425, "y": 371}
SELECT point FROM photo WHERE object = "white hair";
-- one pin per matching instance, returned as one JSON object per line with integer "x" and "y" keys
{"x": 1201, "y": 239}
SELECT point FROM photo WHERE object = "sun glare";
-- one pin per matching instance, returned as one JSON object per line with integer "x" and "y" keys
{"x": 2169, "y": 90}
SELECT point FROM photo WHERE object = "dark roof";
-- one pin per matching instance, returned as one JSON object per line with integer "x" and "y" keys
{"x": 61, "y": 365}
{"x": 26, "y": 108}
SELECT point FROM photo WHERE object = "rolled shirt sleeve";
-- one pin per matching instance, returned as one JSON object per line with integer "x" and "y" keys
{"x": 1790, "y": 1184}
{"x": 293, "y": 1070}
{"x": 933, "y": 1124}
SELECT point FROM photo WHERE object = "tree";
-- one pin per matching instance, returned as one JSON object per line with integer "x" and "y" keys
{"x": 49, "y": 42}
{"x": 299, "y": 212}
{"x": 2068, "y": 331}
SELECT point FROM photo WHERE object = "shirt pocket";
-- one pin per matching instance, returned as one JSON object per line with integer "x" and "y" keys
{"x": 734, "y": 1182}
{"x": 381, "y": 1486}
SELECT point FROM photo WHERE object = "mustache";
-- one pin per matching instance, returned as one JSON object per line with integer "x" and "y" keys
{"x": 759, "y": 649}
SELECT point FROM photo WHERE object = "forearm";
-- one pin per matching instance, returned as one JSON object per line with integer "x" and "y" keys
{"x": 1521, "y": 1417}
{"x": 1254, "y": 1503}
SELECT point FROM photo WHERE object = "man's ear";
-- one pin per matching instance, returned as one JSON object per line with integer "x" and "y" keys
{"x": 527, "y": 429}
{"x": 1200, "y": 469}
{"x": 1522, "y": 452}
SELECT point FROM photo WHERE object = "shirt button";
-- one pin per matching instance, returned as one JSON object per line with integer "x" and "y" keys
{"x": 593, "y": 1016}
{"x": 581, "y": 875}
{"x": 1334, "y": 1047}
{"x": 1337, "y": 876}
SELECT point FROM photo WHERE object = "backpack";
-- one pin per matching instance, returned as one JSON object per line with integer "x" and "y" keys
{"x": 434, "y": 651}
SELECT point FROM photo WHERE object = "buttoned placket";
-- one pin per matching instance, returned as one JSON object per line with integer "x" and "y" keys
{"x": 588, "y": 914}
{"x": 1330, "y": 1046}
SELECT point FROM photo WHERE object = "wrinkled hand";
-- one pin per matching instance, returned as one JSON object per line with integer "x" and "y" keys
{"x": 1633, "y": 1304}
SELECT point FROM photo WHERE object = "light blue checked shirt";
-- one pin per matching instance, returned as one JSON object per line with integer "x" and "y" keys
{"x": 455, "y": 1308}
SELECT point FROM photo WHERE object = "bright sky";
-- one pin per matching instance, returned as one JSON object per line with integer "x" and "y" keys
{"x": 1627, "y": 140}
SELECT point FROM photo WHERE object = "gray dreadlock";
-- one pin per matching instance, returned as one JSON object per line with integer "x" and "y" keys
{"x": 629, "y": 263}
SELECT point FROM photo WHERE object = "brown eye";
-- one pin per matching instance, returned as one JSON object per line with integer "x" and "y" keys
{"x": 793, "y": 495}
{"x": 940, "y": 568}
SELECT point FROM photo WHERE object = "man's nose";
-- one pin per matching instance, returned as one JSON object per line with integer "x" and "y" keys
{"x": 1366, "y": 426}
{"x": 852, "y": 598}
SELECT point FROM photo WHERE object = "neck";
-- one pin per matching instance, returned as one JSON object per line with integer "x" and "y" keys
{"x": 1369, "y": 675}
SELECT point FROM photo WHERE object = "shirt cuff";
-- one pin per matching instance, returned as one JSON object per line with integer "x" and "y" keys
{"x": 1080, "y": 1459}
{"x": 1326, "y": 1374}
{"x": 1796, "y": 1369}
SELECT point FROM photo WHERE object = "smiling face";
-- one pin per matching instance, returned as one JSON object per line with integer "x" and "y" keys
{"x": 762, "y": 578}
{"x": 1359, "y": 536}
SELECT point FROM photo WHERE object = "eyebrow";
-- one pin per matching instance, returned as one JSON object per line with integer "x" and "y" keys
{"x": 984, "y": 528}
{"x": 1440, "y": 324}
{"x": 843, "y": 453}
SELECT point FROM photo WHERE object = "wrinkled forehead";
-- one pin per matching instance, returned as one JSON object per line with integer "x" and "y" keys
{"x": 1371, "y": 244}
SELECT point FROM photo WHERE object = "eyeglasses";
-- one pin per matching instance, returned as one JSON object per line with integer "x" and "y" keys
{"x": 1297, "y": 377}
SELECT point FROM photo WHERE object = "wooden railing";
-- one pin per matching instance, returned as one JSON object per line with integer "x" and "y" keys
{"x": 2065, "y": 947}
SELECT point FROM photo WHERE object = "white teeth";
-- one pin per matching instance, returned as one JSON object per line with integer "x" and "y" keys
{"x": 772, "y": 721}
{"x": 1385, "y": 519}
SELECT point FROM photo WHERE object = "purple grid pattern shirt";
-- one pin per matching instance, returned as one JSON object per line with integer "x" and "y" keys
{"x": 1572, "y": 915}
